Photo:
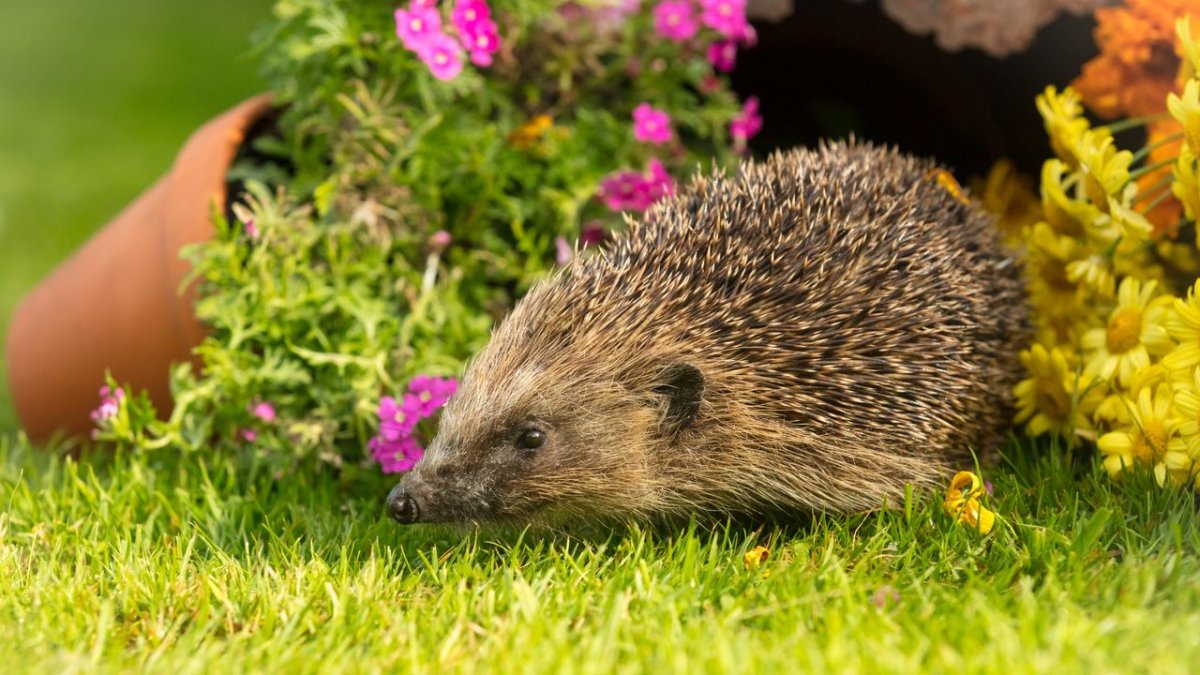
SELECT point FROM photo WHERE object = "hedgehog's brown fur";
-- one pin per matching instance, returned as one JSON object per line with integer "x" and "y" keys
{"x": 854, "y": 325}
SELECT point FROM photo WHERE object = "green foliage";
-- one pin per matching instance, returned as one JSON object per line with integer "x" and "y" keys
{"x": 389, "y": 217}
{"x": 186, "y": 562}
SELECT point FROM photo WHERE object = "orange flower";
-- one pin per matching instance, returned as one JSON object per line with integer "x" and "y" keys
{"x": 1166, "y": 215}
{"x": 1138, "y": 60}
{"x": 529, "y": 133}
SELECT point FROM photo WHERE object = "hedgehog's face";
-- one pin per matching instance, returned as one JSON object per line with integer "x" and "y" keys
{"x": 547, "y": 444}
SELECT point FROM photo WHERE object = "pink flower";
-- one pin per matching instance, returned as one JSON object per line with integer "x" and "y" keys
{"x": 625, "y": 191}
{"x": 467, "y": 13}
{"x": 265, "y": 412}
{"x": 249, "y": 435}
{"x": 748, "y": 37}
{"x": 443, "y": 55}
{"x": 472, "y": 21}
{"x": 722, "y": 54}
{"x": 439, "y": 241}
{"x": 631, "y": 191}
{"x": 746, "y": 124}
{"x": 395, "y": 456}
{"x": 651, "y": 125}
{"x": 675, "y": 20}
{"x": 395, "y": 447}
{"x": 563, "y": 253}
{"x": 431, "y": 392}
{"x": 251, "y": 229}
{"x": 396, "y": 421}
{"x": 110, "y": 404}
{"x": 418, "y": 25}
{"x": 659, "y": 182}
{"x": 482, "y": 43}
{"x": 594, "y": 233}
{"x": 727, "y": 17}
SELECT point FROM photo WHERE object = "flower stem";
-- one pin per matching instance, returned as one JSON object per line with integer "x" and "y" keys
{"x": 1157, "y": 200}
{"x": 1153, "y": 188}
{"x": 1145, "y": 152}
{"x": 1133, "y": 122}
{"x": 1150, "y": 168}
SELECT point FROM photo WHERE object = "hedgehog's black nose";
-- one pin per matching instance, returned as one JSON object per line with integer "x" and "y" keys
{"x": 402, "y": 507}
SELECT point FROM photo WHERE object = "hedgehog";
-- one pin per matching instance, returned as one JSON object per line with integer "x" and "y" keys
{"x": 812, "y": 333}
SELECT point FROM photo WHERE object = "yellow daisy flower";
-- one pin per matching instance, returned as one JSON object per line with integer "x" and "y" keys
{"x": 1183, "y": 324}
{"x": 1134, "y": 226}
{"x": 1113, "y": 410}
{"x": 1134, "y": 331}
{"x": 1187, "y": 407}
{"x": 1050, "y": 257}
{"x": 1187, "y": 47}
{"x": 1062, "y": 113}
{"x": 1147, "y": 439}
{"x": 1066, "y": 215}
{"x": 1055, "y": 398}
{"x": 1186, "y": 186}
{"x": 1093, "y": 273}
{"x": 1105, "y": 169}
{"x": 1009, "y": 195}
{"x": 1062, "y": 324}
{"x": 1059, "y": 311}
{"x": 1186, "y": 109}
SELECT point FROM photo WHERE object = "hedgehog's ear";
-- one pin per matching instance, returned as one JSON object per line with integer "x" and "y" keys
{"x": 682, "y": 385}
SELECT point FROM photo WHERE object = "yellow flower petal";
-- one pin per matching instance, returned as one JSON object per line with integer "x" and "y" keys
{"x": 1115, "y": 443}
{"x": 755, "y": 557}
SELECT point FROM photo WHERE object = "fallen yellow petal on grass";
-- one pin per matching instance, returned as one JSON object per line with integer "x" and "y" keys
{"x": 963, "y": 502}
{"x": 755, "y": 557}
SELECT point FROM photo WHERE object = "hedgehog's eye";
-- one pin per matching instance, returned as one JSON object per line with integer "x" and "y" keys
{"x": 531, "y": 439}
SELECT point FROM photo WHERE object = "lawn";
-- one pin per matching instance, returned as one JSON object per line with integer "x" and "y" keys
{"x": 180, "y": 564}
{"x": 189, "y": 563}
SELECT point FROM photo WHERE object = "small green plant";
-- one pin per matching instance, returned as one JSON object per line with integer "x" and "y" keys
{"x": 430, "y": 163}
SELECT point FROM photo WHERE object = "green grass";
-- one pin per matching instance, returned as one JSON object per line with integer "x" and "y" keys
{"x": 196, "y": 563}
{"x": 182, "y": 564}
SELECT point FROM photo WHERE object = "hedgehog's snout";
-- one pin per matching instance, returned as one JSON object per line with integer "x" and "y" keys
{"x": 402, "y": 506}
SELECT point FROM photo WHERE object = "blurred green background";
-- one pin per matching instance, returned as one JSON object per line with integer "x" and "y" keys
{"x": 95, "y": 99}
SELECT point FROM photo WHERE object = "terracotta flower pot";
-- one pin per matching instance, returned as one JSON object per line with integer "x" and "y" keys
{"x": 116, "y": 304}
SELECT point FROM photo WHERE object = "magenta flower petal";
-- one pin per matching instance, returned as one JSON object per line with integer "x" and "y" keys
{"x": 675, "y": 20}
{"x": 418, "y": 25}
{"x": 593, "y": 234}
{"x": 722, "y": 54}
{"x": 563, "y": 253}
{"x": 467, "y": 13}
{"x": 747, "y": 123}
{"x": 660, "y": 184}
{"x": 651, "y": 125}
{"x": 727, "y": 17}
{"x": 632, "y": 191}
{"x": 110, "y": 405}
{"x": 443, "y": 55}
{"x": 265, "y": 412}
